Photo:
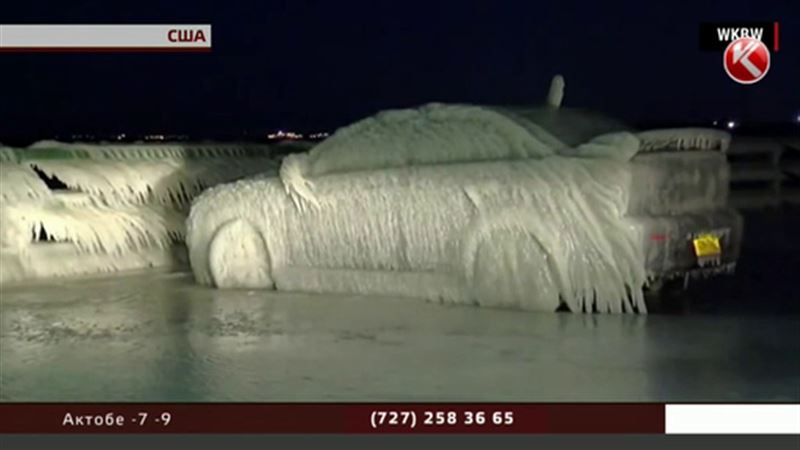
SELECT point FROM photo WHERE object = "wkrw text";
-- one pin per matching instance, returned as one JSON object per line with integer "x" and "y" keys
{"x": 732, "y": 34}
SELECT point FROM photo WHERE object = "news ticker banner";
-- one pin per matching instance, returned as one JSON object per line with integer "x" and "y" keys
{"x": 375, "y": 418}
{"x": 105, "y": 38}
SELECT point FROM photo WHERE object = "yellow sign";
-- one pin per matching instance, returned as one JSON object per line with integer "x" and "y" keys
{"x": 706, "y": 245}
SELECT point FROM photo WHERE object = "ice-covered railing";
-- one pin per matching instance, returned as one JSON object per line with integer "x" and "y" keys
{"x": 677, "y": 139}
{"x": 19, "y": 183}
{"x": 122, "y": 204}
{"x": 99, "y": 229}
{"x": 7, "y": 154}
{"x": 62, "y": 150}
{"x": 166, "y": 181}
{"x": 765, "y": 171}
{"x": 144, "y": 173}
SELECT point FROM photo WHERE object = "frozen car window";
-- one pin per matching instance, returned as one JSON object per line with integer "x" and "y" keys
{"x": 571, "y": 126}
{"x": 431, "y": 134}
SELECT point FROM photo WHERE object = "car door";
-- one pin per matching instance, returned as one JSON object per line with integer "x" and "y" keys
{"x": 392, "y": 219}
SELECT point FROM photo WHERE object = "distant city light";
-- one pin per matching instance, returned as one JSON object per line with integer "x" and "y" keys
{"x": 797, "y": 118}
{"x": 731, "y": 124}
{"x": 280, "y": 134}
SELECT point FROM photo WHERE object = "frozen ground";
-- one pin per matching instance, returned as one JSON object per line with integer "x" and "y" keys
{"x": 159, "y": 337}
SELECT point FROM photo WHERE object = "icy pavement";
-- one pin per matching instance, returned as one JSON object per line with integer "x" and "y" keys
{"x": 158, "y": 337}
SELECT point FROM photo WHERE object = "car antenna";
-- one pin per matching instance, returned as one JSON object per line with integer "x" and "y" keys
{"x": 556, "y": 94}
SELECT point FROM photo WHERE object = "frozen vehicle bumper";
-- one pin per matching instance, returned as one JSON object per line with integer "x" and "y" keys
{"x": 669, "y": 249}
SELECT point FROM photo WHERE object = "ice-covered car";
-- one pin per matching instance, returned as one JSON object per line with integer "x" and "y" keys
{"x": 539, "y": 208}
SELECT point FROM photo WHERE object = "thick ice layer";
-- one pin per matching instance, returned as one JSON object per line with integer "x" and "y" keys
{"x": 527, "y": 233}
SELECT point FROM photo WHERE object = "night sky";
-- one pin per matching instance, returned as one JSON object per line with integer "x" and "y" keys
{"x": 309, "y": 65}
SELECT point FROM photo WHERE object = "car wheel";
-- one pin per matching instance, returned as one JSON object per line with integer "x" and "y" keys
{"x": 666, "y": 296}
{"x": 238, "y": 257}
